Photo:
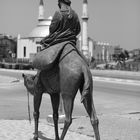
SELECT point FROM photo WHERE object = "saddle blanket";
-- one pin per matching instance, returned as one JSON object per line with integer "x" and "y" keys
{"x": 48, "y": 57}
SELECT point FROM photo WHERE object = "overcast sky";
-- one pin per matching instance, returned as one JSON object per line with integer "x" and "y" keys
{"x": 112, "y": 21}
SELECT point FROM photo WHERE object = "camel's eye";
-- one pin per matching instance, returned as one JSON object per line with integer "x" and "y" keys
{"x": 28, "y": 81}
{"x": 32, "y": 78}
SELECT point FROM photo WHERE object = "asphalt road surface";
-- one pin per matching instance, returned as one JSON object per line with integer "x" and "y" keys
{"x": 109, "y": 98}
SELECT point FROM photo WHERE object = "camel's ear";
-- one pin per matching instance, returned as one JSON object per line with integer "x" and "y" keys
{"x": 23, "y": 75}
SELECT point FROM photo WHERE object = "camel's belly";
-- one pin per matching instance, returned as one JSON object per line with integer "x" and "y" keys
{"x": 50, "y": 81}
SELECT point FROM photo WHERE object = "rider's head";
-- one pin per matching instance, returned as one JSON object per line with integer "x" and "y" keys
{"x": 66, "y": 2}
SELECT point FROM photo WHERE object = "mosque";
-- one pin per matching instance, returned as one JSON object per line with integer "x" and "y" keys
{"x": 28, "y": 46}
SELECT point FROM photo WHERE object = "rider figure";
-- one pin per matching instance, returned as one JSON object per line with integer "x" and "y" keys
{"x": 65, "y": 25}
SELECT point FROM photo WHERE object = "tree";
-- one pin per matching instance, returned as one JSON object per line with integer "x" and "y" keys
{"x": 121, "y": 58}
{"x": 126, "y": 53}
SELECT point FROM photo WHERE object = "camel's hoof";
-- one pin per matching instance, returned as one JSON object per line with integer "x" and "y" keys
{"x": 35, "y": 138}
{"x": 57, "y": 138}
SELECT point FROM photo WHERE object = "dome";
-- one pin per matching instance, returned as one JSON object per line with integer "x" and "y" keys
{"x": 42, "y": 29}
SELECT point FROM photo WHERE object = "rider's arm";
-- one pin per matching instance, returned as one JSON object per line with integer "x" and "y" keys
{"x": 54, "y": 25}
{"x": 55, "y": 22}
{"x": 78, "y": 26}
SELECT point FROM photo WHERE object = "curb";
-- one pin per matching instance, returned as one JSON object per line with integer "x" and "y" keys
{"x": 116, "y": 80}
{"x": 19, "y": 71}
{"x": 13, "y": 83}
{"x": 96, "y": 78}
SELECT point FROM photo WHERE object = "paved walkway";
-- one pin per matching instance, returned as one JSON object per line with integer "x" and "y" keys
{"x": 112, "y": 127}
{"x": 5, "y": 79}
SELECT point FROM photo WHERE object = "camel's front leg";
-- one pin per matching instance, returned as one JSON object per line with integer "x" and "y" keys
{"x": 37, "y": 102}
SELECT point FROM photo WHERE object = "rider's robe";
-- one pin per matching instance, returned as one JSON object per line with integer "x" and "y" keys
{"x": 65, "y": 26}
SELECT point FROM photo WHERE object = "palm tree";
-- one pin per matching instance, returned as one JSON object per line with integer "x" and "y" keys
{"x": 121, "y": 58}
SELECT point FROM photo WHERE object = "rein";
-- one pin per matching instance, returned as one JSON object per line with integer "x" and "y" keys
{"x": 62, "y": 57}
{"x": 29, "y": 115}
{"x": 66, "y": 55}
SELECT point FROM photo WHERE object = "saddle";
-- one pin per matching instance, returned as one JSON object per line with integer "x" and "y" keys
{"x": 47, "y": 58}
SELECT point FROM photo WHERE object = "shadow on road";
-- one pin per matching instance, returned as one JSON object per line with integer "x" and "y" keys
{"x": 40, "y": 134}
{"x": 41, "y": 137}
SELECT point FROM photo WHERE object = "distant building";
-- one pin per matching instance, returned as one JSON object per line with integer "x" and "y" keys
{"x": 84, "y": 40}
{"x": 8, "y": 47}
{"x": 136, "y": 52}
{"x": 103, "y": 51}
{"x": 90, "y": 44}
{"x": 100, "y": 51}
{"x": 117, "y": 49}
{"x": 28, "y": 46}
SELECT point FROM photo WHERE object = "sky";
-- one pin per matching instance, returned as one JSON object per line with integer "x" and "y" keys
{"x": 116, "y": 22}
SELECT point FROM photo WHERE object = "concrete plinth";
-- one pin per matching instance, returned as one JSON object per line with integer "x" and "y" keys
{"x": 60, "y": 120}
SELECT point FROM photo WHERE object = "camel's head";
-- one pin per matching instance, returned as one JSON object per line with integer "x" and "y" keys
{"x": 29, "y": 82}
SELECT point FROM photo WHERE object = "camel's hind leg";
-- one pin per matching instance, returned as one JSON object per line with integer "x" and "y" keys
{"x": 68, "y": 107}
{"x": 55, "y": 98}
{"x": 89, "y": 106}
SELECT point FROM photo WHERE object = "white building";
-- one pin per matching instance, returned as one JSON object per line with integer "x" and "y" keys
{"x": 90, "y": 45}
{"x": 28, "y": 46}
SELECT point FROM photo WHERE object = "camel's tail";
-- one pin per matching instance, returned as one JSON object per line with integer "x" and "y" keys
{"x": 87, "y": 88}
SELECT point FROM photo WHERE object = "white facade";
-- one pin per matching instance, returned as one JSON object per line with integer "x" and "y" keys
{"x": 27, "y": 47}
{"x": 90, "y": 45}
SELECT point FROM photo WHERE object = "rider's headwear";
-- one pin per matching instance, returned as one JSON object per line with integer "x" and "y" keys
{"x": 67, "y": 2}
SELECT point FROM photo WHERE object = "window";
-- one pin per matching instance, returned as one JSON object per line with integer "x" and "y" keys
{"x": 24, "y": 51}
{"x": 38, "y": 48}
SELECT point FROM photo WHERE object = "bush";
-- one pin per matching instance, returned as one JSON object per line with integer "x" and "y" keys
{"x": 15, "y": 66}
{"x": 7, "y": 65}
{"x": 25, "y": 66}
{"x": 21, "y": 66}
{"x": 1, "y": 65}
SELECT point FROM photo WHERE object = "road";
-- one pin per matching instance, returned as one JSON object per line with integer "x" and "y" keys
{"x": 116, "y": 98}
{"x": 109, "y": 98}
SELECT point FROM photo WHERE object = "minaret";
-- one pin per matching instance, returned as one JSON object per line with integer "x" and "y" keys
{"x": 85, "y": 29}
{"x": 41, "y": 10}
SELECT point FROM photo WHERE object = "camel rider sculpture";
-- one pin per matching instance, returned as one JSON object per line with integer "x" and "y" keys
{"x": 65, "y": 25}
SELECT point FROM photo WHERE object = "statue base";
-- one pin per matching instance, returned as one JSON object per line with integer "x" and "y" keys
{"x": 60, "y": 120}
